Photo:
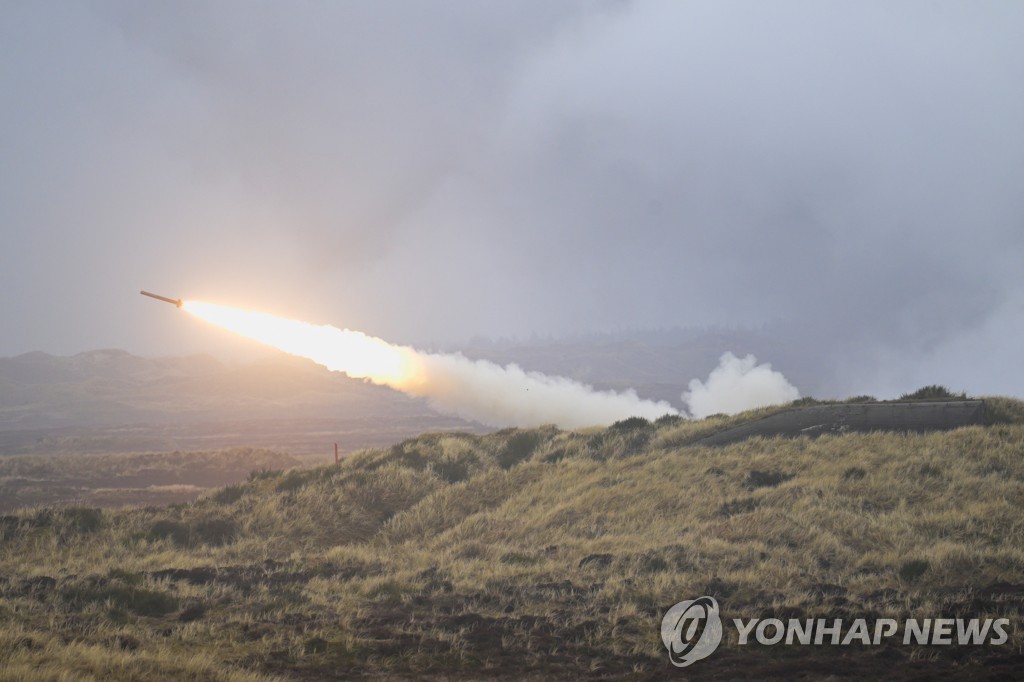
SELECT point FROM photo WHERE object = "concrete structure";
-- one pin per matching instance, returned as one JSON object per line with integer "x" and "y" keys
{"x": 816, "y": 420}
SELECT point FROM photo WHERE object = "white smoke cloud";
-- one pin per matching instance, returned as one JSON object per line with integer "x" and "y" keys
{"x": 487, "y": 392}
{"x": 474, "y": 389}
{"x": 496, "y": 395}
{"x": 738, "y": 384}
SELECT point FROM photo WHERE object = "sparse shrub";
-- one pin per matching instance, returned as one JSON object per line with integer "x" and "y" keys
{"x": 229, "y": 494}
{"x": 123, "y": 642}
{"x": 10, "y": 527}
{"x": 667, "y": 420}
{"x": 292, "y": 481}
{"x": 636, "y": 442}
{"x": 995, "y": 469}
{"x": 518, "y": 559}
{"x": 862, "y": 399}
{"x": 126, "y": 577}
{"x": 165, "y": 529}
{"x": 595, "y": 446}
{"x": 652, "y": 563}
{"x": 192, "y": 613}
{"x": 742, "y": 506}
{"x": 263, "y": 474}
{"x": 805, "y": 401}
{"x": 43, "y": 518}
{"x": 519, "y": 447}
{"x": 572, "y": 447}
{"x": 455, "y": 469}
{"x": 214, "y": 532}
{"x": 671, "y": 557}
{"x": 471, "y": 550}
{"x": 556, "y": 455}
{"x": 316, "y": 645}
{"x": 596, "y": 560}
{"x": 145, "y": 602}
{"x": 382, "y": 493}
{"x": 854, "y": 474}
{"x": 407, "y": 455}
{"x": 612, "y": 443}
{"x": 766, "y": 479}
{"x": 719, "y": 588}
{"x": 913, "y": 569}
{"x": 388, "y": 591}
{"x": 934, "y": 392}
{"x": 129, "y": 598}
{"x": 82, "y": 519}
{"x": 452, "y": 470}
{"x": 630, "y": 424}
{"x": 625, "y": 443}
{"x": 929, "y": 471}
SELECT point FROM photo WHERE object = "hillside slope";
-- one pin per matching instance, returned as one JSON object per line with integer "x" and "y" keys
{"x": 534, "y": 553}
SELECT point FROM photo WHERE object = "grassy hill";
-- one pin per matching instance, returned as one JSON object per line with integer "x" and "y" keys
{"x": 533, "y": 554}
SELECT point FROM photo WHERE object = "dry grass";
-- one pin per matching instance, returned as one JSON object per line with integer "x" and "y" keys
{"x": 525, "y": 553}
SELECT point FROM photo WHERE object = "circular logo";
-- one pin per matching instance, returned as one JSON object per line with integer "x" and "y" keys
{"x": 691, "y": 630}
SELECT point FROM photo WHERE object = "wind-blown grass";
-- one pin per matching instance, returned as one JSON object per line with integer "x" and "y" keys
{"x": 525, "y": 553}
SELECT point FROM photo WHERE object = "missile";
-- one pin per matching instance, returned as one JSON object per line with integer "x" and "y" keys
{"x": 175, "y": 301}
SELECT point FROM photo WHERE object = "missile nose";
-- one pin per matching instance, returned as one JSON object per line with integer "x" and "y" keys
{"x": 176, "y": 301}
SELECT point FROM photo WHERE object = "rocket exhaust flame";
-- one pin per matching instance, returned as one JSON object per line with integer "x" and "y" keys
{"x": 473, "y": 389}
{"x": 339, "y": 350}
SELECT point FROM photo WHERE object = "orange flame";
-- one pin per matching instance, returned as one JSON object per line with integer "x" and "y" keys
{"x": 340, "y": 350}
{"x": 474, "y": 389}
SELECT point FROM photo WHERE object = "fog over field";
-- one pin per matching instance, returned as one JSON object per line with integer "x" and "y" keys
{"x": 845, "y": 178}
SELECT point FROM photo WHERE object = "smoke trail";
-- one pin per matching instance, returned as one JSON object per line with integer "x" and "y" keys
{"x": 474, "y": 389}
{"x": 737, "y": 385}
{"x": 493, "y": 394}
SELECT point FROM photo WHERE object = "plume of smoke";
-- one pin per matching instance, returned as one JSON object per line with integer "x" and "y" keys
{"x": 496, "y": 395}
{"x": 474, "y": 389}
{"x": 487, "y": 392}
{"x": 738, "y": 384}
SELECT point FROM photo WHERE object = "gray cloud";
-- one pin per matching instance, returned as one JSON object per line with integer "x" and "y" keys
{"x": 847, "y": 173}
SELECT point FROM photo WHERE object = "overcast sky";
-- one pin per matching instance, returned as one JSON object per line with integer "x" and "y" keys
{"x": 849, "y": 172}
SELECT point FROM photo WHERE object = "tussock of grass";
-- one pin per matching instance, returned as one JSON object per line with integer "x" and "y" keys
{"x": 546, "y": 552}
{"x": 934, "y": 392}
